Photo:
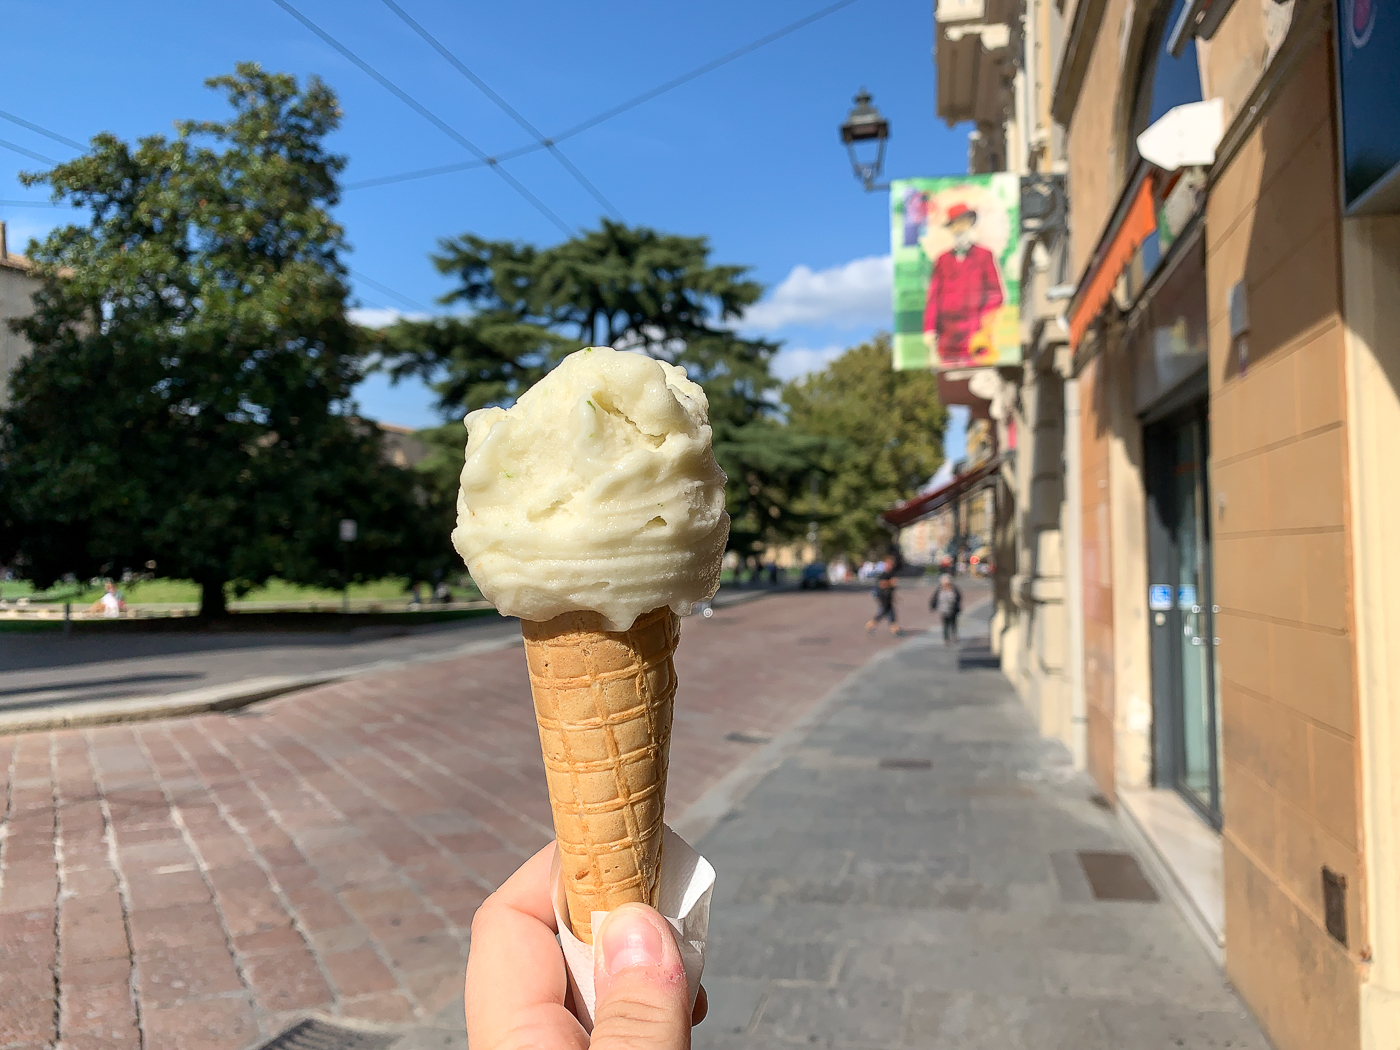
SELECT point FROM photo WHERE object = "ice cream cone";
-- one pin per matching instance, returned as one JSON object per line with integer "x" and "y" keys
{"x": 603, "y": 701}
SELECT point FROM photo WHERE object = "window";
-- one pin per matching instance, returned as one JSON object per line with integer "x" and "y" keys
{"x": 1163, "y": 82}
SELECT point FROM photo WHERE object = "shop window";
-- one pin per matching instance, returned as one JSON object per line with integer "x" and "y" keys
{"x": 1173, "y": 347}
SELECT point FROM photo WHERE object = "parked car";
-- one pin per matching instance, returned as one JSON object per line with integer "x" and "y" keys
{"x": 814, "y": 577}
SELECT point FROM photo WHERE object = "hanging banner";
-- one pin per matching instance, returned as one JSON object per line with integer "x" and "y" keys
{"x": 957, "y": 276}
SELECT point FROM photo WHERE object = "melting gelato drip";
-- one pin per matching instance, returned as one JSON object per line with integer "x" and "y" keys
{"x": 597, "y": 491}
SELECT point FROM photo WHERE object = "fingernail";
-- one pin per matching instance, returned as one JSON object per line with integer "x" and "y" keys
{"x": 630, "y": 940}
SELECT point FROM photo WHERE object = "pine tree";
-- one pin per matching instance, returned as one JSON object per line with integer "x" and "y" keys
{"x": 631, "y": 288}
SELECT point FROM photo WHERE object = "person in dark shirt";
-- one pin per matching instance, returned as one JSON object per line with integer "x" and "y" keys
{"x": 947, "y": 602}
{"x": 884, "y": 603}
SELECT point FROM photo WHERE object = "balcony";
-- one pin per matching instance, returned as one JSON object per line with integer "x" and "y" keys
{"x": 974, "y": 59}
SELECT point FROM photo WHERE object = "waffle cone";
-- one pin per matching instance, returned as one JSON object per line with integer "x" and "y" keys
{"x": 603, "y": 703}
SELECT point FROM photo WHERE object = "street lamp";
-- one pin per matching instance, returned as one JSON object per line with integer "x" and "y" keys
{"x": 865, "y": 124}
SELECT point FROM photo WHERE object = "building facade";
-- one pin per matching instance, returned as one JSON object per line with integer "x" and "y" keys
{"x": 995, "y": 68}
{"x": 1202, "y": 585}
{"x": 17, "y": 286}
{"x": 1226, "y": 311}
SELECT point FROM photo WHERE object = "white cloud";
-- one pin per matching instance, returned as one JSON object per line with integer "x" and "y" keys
{"x": 800, "y": 361}
{"x": 378, "y": 317}
{"x": 855, "y": 293}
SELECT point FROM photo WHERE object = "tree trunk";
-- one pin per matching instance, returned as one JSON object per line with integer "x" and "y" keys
{"x": 211, "y": 600}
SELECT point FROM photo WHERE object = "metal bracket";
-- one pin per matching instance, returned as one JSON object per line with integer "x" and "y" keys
{"x": 1044, "y": 205}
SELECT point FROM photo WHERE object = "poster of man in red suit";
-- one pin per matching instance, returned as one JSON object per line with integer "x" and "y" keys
{"x": 964, "y": 293}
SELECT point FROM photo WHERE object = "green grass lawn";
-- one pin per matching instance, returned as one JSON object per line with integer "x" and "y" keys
{"x": 12, "y": 589}
{"x": 157, "y": 592}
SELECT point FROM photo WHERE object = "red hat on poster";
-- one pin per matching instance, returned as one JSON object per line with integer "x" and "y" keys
{"x": 958, "y": 211}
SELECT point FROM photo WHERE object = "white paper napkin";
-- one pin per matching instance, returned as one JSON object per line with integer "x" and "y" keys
{"x": 683, "y": 897}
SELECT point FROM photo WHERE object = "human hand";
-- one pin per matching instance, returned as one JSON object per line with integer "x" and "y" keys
{"x": 518, "y": 989}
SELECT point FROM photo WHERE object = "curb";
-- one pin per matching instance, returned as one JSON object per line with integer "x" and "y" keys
{"x": 1160, "y": 873}
{"x": 227, "y": 697}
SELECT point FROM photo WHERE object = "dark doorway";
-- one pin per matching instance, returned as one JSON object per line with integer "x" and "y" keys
{"x": 1186, "y": 693}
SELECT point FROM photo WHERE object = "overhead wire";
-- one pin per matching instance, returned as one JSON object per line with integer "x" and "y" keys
{"x": 428, "y": 115}
{"x": 386, "y": 290}
{"x": 504, "y": 106}
{"x": 608, "y": 114}
{"x": 39, "y": 129}
{"x": 373, "y": 283}
{"x": 27, "y": 152}
{"x": 420, "y": 173}
{"x": 483, "y": 159}
{"x": 698, "y": 71}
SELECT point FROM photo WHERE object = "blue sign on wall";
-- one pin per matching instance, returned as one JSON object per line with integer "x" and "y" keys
{"x": 1368, "y": 75}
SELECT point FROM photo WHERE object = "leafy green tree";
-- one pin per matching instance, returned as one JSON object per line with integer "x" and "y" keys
{"x": 632, "y": 288}
{"x": 883, "y": 434}
{"x": 188, "y": 398}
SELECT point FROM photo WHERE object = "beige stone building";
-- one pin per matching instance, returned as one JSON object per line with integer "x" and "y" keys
{"x": 995, "y": 63}
{"x": 1200, "y": 585}
{"x": 16, "y": 287}
{"x": 1235, "y": 362}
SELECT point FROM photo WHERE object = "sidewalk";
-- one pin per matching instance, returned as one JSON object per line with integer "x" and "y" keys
{"x": 917, "y": 874}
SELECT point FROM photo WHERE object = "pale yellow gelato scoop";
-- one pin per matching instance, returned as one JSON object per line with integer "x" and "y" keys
{"x": 598, "y": 490}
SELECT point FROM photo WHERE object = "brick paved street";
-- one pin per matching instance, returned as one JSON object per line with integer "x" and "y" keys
{"x": 198, "y": 883}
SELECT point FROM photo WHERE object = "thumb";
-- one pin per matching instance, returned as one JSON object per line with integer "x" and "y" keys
{"x": 642, "y": 1002}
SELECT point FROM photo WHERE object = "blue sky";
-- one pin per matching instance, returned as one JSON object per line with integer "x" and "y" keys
{"x": 747, "y": 155}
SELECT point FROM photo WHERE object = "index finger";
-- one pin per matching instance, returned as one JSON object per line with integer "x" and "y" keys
{"x": 516, "y": 980}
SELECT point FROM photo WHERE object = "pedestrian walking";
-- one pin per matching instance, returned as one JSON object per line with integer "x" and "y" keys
{"x": 885, "y": 587}
{"x": 947, "y": 602}
{"x": 110, "y": 604}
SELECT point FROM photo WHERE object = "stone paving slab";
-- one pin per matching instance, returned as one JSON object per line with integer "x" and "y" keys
{"x": 203, "y": 882}
{"x": 861, "y": 906}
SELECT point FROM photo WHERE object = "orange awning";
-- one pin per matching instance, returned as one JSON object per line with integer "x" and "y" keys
{"x": 1139, "y": 223}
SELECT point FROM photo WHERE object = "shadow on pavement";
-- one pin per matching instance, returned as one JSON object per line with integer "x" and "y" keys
{"x": 98, "y": 683}
{"x": 30, "y": 652}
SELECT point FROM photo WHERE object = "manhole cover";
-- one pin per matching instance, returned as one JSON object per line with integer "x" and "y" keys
{"x": 905, "y": 763}
{"x": 322, "y": 1035}
{"x": 748, "y": 738}
{"x": 1116, "y": 877}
